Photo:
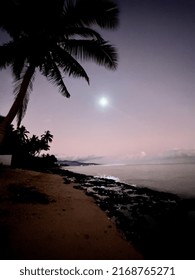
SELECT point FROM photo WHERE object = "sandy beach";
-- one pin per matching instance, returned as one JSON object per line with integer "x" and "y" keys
{"x": 43, "y": 218}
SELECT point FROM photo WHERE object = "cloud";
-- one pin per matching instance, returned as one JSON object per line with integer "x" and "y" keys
{"x": 169, "y": 156}
{"x": 128, "y": 158}
{"x": 143, "y": 154}
{"x": 180, "y": 155}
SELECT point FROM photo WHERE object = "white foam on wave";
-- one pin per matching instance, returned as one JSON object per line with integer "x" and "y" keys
{"x": 116, "y": 179}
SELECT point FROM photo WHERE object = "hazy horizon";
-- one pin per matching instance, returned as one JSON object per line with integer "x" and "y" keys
{"x": 176, "y": 158}
{"x": 151, "y": 102}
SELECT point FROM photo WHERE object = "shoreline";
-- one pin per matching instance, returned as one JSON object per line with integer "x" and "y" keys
{"x": 172, "y": 178}
{"x": 160, "y": 225}
{"x": 44, "y": 217}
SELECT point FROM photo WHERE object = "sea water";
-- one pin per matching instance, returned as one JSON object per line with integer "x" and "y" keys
{"x": 173, "y": 178}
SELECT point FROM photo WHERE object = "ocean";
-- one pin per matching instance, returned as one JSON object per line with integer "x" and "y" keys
{"x": 173, "y": 178}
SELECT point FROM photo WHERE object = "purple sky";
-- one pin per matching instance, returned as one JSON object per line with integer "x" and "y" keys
{"x": 151, "y": 111}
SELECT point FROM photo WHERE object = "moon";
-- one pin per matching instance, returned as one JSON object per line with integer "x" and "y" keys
{"x": 103, "y": 101}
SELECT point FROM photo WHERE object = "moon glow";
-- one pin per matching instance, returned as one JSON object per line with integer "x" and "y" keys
{"x": 103, "y": 101}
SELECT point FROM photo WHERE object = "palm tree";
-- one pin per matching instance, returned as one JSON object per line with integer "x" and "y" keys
{"x": 47, "y": 136}
{"x": 22, "y": 134}
{"x": 33, "y": 146}
{"x": 51, "y": 36}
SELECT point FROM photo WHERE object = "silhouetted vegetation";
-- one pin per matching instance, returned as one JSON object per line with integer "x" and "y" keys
{"x": 27, "y": 152}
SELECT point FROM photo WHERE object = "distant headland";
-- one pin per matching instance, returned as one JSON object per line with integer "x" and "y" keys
{"x": 74, "y": 163}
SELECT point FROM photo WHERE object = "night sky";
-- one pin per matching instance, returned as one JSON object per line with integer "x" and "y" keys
{"x": 151, "y": 96}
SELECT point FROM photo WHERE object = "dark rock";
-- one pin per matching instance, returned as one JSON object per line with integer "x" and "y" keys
{"x": 67, "y": 181}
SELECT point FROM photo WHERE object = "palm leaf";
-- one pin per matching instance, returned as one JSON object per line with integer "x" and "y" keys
{"x": 82, "y": 31}
{"x": 7, "y": 54}
{"x": 52, "y": 73}
{"x": 14, "y": 54}
{"x": 101, "y": 12}
{"x": 18, "y": 16}
{"x": 18, "y": 65}
{"x": 68, "y": 64}
{"x": 101, "y": 52}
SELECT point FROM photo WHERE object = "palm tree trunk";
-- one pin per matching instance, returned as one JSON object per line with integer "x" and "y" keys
{"x": 17, "y": 102}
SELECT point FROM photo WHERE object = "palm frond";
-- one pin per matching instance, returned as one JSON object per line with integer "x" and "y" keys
{"x": 7, "y": 54}
{"x": 51, "y": 71}
{"x": 18, "y": 65}
{"x": 82, "y": 31}
{"x": 101, "y": 12}
{"x": 101, "y": 52}
{"x": 13, "y": 53}
{"x": 18, "y": 16}
{"x": 68, "y": 64}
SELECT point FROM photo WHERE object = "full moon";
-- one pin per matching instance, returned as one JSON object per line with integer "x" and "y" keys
{"x": 103, "y": 101}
